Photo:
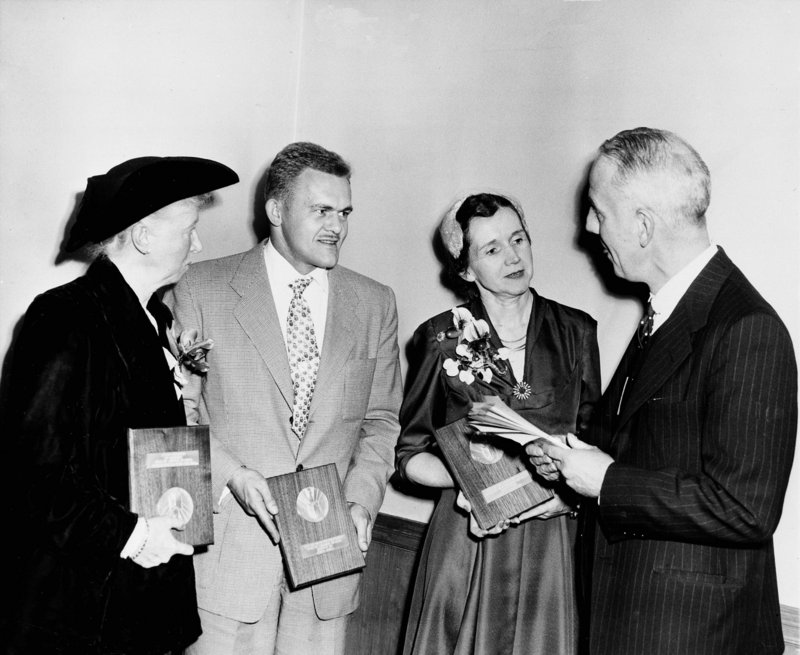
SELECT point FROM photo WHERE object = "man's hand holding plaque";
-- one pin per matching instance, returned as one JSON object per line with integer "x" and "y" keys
{"x": 363, "y": 525}
{"x": 251, "y": 490}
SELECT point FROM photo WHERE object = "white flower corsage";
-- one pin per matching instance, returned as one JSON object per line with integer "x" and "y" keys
{"x": 475, "y": 354}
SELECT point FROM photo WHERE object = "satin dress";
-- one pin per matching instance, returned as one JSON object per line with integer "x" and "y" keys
{"x": 515, "y": 592}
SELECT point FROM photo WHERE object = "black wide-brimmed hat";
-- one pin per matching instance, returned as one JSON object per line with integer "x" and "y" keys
{"x": 137, "y": 188}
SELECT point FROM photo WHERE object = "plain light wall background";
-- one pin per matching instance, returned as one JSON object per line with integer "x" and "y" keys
{"x": 425, "y": 99}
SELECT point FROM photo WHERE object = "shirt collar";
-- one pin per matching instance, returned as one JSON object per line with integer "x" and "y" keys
{"x": 667, "y": 298}
{"x": 280, "y": 271}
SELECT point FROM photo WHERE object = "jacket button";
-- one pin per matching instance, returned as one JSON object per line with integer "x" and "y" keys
{"x": 299, "y": 467}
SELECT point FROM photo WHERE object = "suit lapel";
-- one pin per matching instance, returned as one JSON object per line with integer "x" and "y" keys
{"x": 670, "y": 346}
{"x": 339, "y": 334}
{"x": 259, "y": 320}
{"x": 672, "y": 343}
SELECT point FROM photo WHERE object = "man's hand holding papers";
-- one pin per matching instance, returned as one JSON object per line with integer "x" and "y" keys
{"x": 493, "y": 416}
{"x": 583, "y": 467}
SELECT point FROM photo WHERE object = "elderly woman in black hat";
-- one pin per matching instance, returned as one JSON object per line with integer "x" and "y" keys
{"x": 508, "y": 589}
{"x": 92, "y": 359}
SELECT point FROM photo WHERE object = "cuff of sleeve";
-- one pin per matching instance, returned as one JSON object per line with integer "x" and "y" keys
{"x": 135, "y": 540}
{"x": 369, "y": 514}
{"x": 226, "y": 492}
{"x": 220, "y": 478}
{"x": 191, "y": 411}
{"x": 607, "y": 482}
{"x": 369, "y": 501}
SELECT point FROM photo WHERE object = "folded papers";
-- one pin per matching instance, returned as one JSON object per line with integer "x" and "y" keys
{"x": 493, "y": 416}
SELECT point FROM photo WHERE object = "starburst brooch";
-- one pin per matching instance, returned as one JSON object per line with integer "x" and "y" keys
{"x": 522, "y": 390}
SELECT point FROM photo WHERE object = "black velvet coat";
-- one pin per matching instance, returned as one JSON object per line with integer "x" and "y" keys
{"x": 87, "y": 365}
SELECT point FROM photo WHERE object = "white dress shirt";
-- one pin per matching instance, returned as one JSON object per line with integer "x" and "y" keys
{"x": 281, "y": 274}
{"x": 668, "y": 297}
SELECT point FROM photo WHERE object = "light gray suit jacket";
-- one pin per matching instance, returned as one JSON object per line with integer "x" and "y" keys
{"x": 247, "y": 400}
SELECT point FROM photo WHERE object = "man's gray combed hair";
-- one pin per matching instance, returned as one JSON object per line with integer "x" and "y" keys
{"x": 645, "y": 150}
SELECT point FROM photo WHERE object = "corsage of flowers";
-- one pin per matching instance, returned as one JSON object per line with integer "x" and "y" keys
{"x": 191, "y": 354}
{"x": 475, "y": 354}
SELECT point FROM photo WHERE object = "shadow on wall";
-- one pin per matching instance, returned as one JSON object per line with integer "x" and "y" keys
{"x": 61, "y": 257}
{"x": 260, "y": 222}
{"x": 460, "y": 289}
{"x": 447, "y": 278}
{"x": 80, "y": 255}
{"x": 5, "y": 371}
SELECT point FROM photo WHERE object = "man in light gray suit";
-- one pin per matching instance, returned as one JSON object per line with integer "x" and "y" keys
{"x": 268, "y": 417}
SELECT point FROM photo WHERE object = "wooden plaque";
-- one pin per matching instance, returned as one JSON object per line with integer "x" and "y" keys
{"x": 318, "y": 538}
{"x": 169, "y": 471}
{"x": 494, "y": 480}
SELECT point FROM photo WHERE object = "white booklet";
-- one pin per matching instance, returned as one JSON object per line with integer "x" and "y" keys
{"x": 493, "y": 416}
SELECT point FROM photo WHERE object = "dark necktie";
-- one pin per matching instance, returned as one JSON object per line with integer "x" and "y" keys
{"x": 645, "y": 328}
{"x": 643, "y": 333}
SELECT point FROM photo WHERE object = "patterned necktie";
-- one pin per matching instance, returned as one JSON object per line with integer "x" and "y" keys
{"x": 645, "y": 328}
{"x": 301, "y": 345}
{"x": 643, "y": 333}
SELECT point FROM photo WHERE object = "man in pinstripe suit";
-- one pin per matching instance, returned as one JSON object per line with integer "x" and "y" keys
{"x": 694, "y": 438}
{"x": 264, "y": 422}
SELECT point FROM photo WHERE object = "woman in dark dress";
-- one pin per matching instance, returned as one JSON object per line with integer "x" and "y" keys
{"x": 509, "y": 589}
{"x": 93, "y": 358}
